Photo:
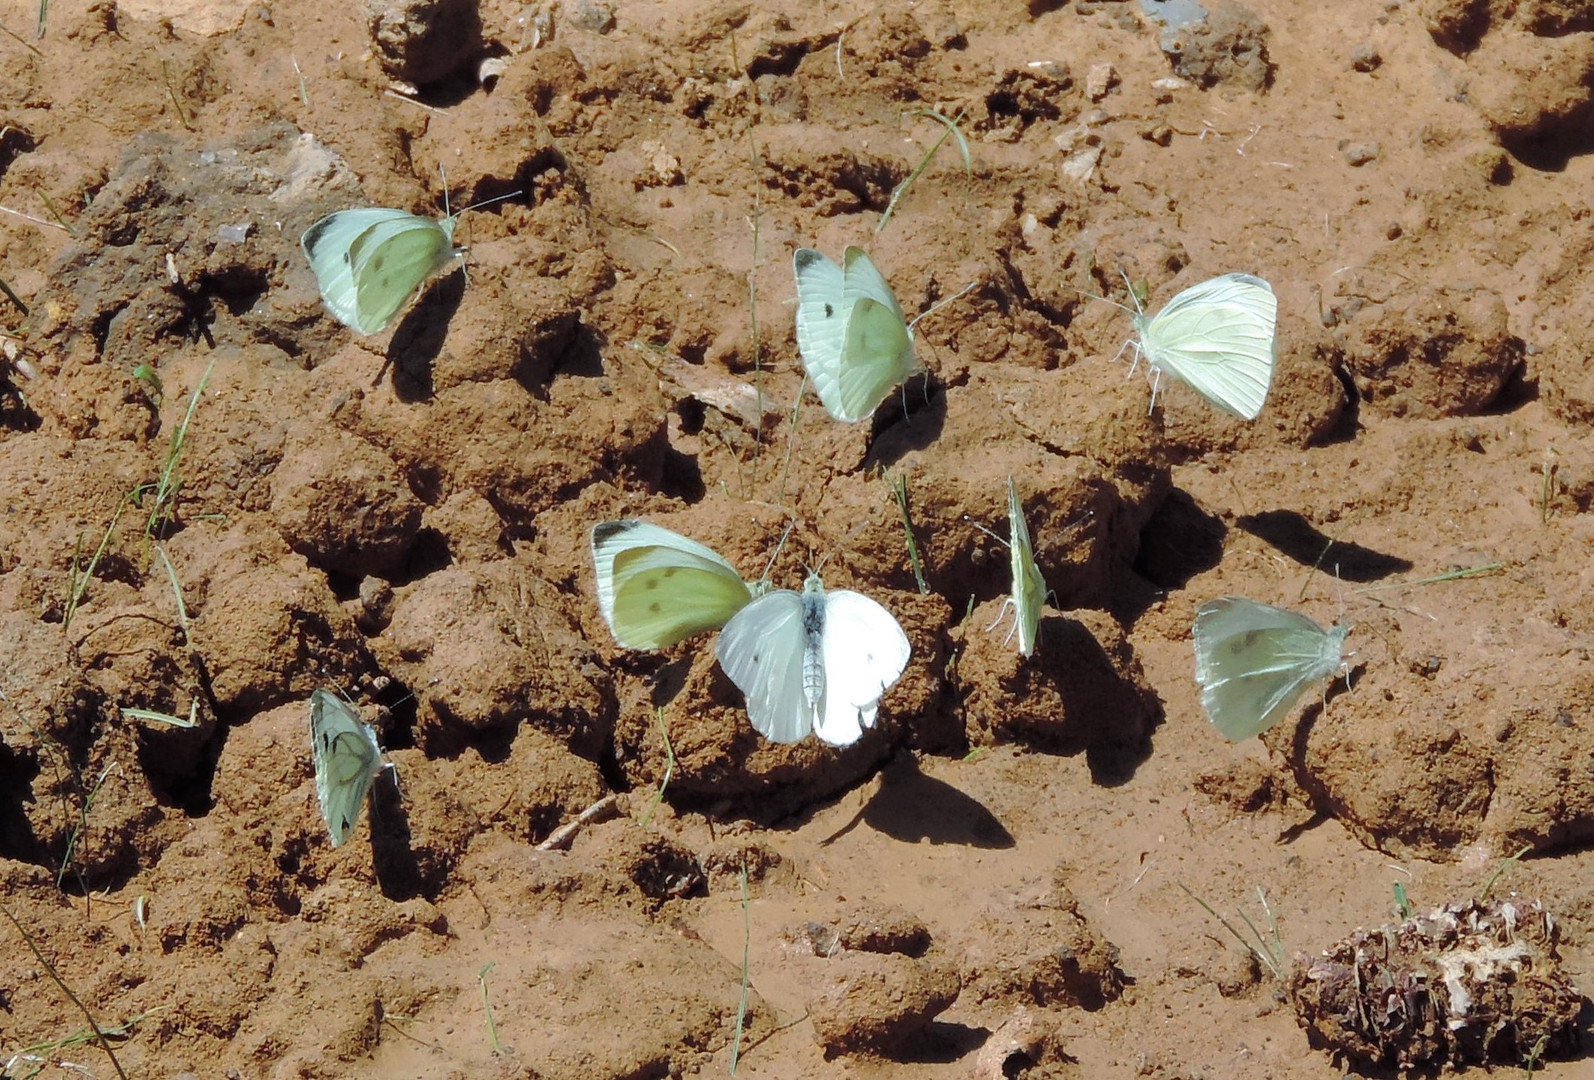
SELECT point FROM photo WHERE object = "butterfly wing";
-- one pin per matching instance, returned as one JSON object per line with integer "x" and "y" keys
{"x": 326, "y": 247}
{"x": 864, "y": 652}
{"x": 877, "y": 352}
{"x": 821, "y": 322}
{"x": 1029, "y": 589}
{"x": 657, "y": 587}
{"x": 1254, "y": 661}
{"x": 762, "y": 650}
{"x": 347, "y": 761}
{"x": 1220, "y": 336}
{"x": 391, "y": 260}
{"x": 363, "y": 259}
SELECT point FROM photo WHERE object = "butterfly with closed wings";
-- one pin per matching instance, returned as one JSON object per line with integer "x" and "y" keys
{"x": 813, "y": 661}
{"x": 855, "y": 344}
{"x": 1028, "y": 594}
{"x": 347, "y": 760}
{"x": 367, "y": 262}
{"x": 1219, "y": 336}
{"x": 657, "y": 587}
{"x": 1254, "y": 661}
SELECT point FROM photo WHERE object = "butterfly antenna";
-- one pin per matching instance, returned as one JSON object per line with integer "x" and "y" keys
{"x": 938, "y": 305}
{"x": 986, "y": 531}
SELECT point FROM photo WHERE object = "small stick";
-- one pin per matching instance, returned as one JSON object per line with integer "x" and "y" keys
{"x": 560, "y": 838}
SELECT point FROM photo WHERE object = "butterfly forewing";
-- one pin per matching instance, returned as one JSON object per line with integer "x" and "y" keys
{"x": 821, "y": 320}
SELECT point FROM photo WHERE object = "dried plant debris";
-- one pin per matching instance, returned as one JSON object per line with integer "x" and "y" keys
{"x": 1464, "y": 984}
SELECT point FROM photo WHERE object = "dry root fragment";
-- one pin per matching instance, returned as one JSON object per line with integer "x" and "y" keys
{"x": 1464, "y": 984}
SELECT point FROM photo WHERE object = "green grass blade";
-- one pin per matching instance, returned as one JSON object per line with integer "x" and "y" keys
{"x": 898, "y": 485}
{"x": 924, "y": 162}
{"x": 669, "y": 768}
{"x": 99, "y": 1033}
{"x": 747, "y": 940}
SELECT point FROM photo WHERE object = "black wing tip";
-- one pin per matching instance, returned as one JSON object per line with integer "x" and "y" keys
{"x": 604, "y": 530}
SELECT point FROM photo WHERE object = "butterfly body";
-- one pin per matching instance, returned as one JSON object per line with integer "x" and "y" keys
{"x": 1220, "y": 337}
{"x": 347, "y": 759}
{"x": 855, "y": 342}
{"x": 1254, "y": 661}
{"x": 816, "y": 661}
{"x": 369, "y": 261}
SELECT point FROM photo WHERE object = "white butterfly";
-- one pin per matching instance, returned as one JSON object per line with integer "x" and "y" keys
{"x": 1029, "y": 589}
{"x": 1220, "y": 336}
{"x": 855, "y": 344}
{"x": 347, "y": 761}
{"x": 657, "y": 587}
{"x": 368, "y": 261}
{"x": 813, "y": 661}
{"x": 1253, "y": 662}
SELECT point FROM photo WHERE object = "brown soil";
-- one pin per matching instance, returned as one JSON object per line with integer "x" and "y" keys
{"x": 990, "y": 882}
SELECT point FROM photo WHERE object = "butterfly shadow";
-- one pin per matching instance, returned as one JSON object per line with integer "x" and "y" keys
{"x": 15, "y": 412}
{"x": 1294, "y": 536}
{"x": 1323, "y": 804}
{"x": 913, "y": 807}
{"x": 393, "y": 858}
{"x": 413, "y": 350}
{"x": 910, "y": 419}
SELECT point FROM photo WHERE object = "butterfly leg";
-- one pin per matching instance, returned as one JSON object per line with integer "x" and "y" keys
{"x": 1002, "y": 614}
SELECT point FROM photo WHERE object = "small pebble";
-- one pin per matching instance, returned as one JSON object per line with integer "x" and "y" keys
{"x": 1365, "y": 58}
{"x": 591, "y": 15}
{"x": 1100, "y": 80}
{"x": 1359, "y": 153}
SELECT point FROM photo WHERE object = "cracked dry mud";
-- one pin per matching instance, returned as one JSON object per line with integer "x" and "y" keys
{"x": 989, "y": 882}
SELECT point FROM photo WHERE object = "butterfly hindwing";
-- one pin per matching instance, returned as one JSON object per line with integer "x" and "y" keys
{"x": 657, "y": 587}
{"x": 347, "y": 761}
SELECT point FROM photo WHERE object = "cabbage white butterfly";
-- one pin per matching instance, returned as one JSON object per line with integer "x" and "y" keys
{"x": 368, "y": 261}
{"x": 813, "y": 661}
{"x": 1029, "y": 589}
{"x": 347, "y": 761}
{"x": 1220, "y": 336}
{"x": 855, "y": 344}
{"x": 656, "y": 587}
{"x": 1254, "y": 660}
